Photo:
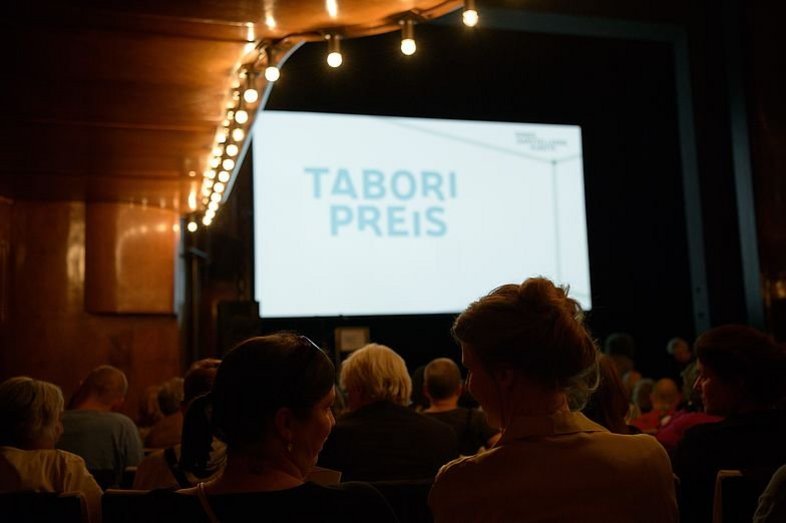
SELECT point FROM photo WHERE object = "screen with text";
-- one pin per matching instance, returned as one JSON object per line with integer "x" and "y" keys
{"x": 372, "y": 215}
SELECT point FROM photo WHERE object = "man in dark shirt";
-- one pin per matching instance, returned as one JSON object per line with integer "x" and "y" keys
{"x": 380, "y": 438}
{"x": 442, "y": 386}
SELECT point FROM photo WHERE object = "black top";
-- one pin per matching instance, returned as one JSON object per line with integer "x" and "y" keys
{"x": 754, "y": 440}
{"x": 384, "y": 441}
{"x": 348, "y": 502}
{"x": 470, "y": 426}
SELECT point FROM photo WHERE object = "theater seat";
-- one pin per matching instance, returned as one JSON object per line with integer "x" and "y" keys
{"x": 35, "y": 507}
{"x": 737, "y": 493}
{"x": 408, "y": 499}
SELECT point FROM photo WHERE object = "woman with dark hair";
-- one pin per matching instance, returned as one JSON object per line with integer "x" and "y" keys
{"x": 271, "y": 404}
{"x": 532, "y": 364}
{"x": 742, "y": 376}
{"x": 609, "y": 405}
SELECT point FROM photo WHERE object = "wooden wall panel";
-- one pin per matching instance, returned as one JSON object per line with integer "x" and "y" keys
{"x": 130, "y": 266}
{"x": 49, "y": 335}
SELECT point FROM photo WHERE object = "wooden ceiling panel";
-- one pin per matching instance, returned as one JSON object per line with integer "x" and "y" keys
{"x": 111, "y": 99}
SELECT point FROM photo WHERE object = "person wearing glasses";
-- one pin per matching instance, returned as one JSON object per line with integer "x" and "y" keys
{"x": 271, "y": 404}
{"x": 530, "y": 361}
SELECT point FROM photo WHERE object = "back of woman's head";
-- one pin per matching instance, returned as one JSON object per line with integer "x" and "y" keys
{"x": 377, "y": 373}
{"x": 535, "y": 329}
{"x": 742, "y": 354}
{"x": 608, "y": 405}
{"x": 30, "y": 410}
{"x": 260, "y": 376}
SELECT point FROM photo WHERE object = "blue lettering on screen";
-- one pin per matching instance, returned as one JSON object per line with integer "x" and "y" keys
{"x": 356, "y": 206}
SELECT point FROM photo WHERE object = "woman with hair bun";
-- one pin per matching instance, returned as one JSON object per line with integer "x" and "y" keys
{"x": 532, "y": 365}
{"x": 271, "y": 404}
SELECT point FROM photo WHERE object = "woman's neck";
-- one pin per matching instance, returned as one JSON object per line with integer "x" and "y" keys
{"x": 245, "y": 473}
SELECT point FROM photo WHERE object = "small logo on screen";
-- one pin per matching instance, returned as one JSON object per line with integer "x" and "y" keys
{"x": 536, "y": 143}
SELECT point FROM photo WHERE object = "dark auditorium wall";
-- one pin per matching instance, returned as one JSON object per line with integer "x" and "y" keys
{"x": 45, "y": 331}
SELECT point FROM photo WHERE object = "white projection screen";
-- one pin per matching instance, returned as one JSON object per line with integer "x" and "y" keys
{"x": 370, "y": 215}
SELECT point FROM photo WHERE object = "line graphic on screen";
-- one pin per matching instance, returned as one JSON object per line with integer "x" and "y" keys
{"x": 368, "y": 215}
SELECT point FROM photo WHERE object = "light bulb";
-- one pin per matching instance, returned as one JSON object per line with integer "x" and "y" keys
{"x": 218, "y": 150}
{"x": 213, "y": 206}
{"x": 238, "y": 134}
{"x": 210, "y": 212}
{"x": 210, "y": 174}
{"x": 208, "y": 184}
{"x": 192, "y": 226}
{"x": 408, "y": 46}
{"x": 221, "y": 136}
{"x": 241, "y": 116}
{"x": 272, "y": 73}
{"x": 251, "y": 95}
{"x": 223, "y": 177}
{"x": 206, "y": 190}
{"x": 335, "y": 59}
{"x": 215, "y": 162}
{"x": 470, "y": 17}
{"x": 232, "y": 150}
{"x": 228, "y": 164}
{"x": 218, "y": 187}
{"x": 215, "y": 197}
{"x": 206, "y": 221}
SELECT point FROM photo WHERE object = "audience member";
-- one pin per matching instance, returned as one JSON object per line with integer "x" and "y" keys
{"x": 742, "y": 374}
{"x": 689, "y": 414}
{"x": 107, "y": 440}
{"x": 608, "y": 405}
{"x": 30, "y": 411}
{"x": 527, "y": 351}
{"x": 166, "y": 431}
{"x": 204, "y": 454}
{"x": 772, "y": 503}
{"x": 442, "y": 386}
{"x": 380, "y": 438}
{"x": 681, "y": 355}
{"x": 641, "y": 397}
{"x": 621, "y": 348}
{"x": 418, "y": 401}
{"x": 664, "y": 398}
{"x": 271, "y": 404}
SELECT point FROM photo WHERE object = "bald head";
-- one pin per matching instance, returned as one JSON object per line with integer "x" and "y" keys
{"x": 665, "y": 394}
{"x": 442, "y": 379}
{"x": 106, "y": 385}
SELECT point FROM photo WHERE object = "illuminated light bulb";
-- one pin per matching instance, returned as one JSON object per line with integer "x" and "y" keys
{"x": 210, "y": 212}
{"x": 219, "y": 187}
{"x": 206, "y": 221}
{"x": 215, "y": 197}
{"x": 206, "y": 190}
{"x": 191, "y": 174}
{"x": 223, "y": 177}
{"x": 192, "y": 226}
{"x": 228, "y": 164}
{"x": 241, "y": 116}
{"x": 408, "y": 46}
{"x": 218, "y": 150}
{"x": 232, "y": 150}
{"x": 205, "y": 200}
{"x": 334, "y": 58}
{"x": 221, "y": 136}
{"x": 208, "y": 183}
{"x": 251, "y": 95}
{"x": 213, "y": 206}
{"x": 470, "y": 14}
{"x": 272, "y": 73}
{"x": 238, "y": 134}
{"x": 210, "y": 174}
{"x": 215, "y": 162}
{"x": 226, "y": 122}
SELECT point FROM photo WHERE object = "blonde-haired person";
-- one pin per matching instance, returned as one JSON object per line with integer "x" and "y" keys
{"x": 531, "y": 361}
{"x": 380, "y": 438}
{"x": 30, "y": 411}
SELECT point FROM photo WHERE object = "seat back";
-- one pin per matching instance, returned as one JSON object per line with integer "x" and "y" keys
{"x": 124, "y": 506}
{"x": 737, "y": 493}
{"x": 408, "y": 499}
{"x": 34, "y": 507}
